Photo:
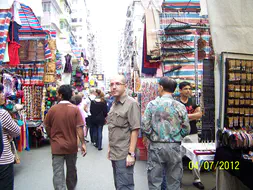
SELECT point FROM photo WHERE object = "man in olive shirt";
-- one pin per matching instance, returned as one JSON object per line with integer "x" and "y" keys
{"x": 123, "y": 124}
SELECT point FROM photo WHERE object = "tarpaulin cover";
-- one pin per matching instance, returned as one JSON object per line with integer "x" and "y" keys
{"x": 231, "y": 25}
{"x": 30, "y": 22}
{"x": 5, "y": 16}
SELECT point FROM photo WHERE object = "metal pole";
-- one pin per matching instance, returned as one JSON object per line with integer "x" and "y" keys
{"x": 196, "y": 69}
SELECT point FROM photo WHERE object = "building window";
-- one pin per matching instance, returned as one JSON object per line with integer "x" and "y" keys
{"x": 46, "y": 6}
{"x": 80, "y": 45}
{"x": 62, "y": 25}
{"x": 80, "y": 37}
{"x": 80, "y": 20}
{"x": 74, "y": 19}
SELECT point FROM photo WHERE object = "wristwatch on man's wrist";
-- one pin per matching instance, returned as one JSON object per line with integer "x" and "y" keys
{"x": 131, "y": 154}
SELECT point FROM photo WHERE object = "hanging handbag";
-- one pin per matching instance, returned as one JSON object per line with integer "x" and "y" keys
{"x": 15, "y": 153}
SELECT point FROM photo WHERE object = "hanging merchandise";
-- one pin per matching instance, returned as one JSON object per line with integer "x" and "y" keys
{"x": 5, "y": 16}
{"x": 68, "y": 64}
{"x": 177, "y": 43}
{"x": 32, "y": 100}
{"x": 13, "y": 45}
{"x": 8, "y": 83}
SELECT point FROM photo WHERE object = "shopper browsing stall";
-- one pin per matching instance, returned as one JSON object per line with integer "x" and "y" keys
{"x": 165, "y": 123}
{"x": 8, "y": 128}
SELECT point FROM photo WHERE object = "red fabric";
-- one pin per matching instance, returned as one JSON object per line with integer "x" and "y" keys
{"x": 147, "y": 64}
{"x": 13, "y": 53}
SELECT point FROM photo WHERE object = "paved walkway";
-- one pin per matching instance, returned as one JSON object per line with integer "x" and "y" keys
{"x": 94, "y": 171}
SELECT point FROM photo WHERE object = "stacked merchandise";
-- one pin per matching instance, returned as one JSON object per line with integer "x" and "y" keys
{"x": 79, "y": 76}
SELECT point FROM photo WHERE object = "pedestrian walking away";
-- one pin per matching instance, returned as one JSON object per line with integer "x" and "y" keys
{"x": 98, "y": 111}
{"x": 123, "y": 125}
{"x": 63, "y": 124}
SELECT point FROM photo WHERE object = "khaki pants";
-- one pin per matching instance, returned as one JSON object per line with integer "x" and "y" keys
{"x": 193, "y": 139}
{"x": 59, "y": 180}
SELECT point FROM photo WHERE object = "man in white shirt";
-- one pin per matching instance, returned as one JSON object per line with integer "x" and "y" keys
{"x": 87, "y": 104}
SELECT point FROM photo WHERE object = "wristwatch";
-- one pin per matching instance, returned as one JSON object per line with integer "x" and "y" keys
{"x": 131, "y": 154}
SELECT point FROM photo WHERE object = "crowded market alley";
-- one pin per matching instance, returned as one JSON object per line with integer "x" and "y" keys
{"x": 94, "y": 171}
{"x": 134, "y": 94}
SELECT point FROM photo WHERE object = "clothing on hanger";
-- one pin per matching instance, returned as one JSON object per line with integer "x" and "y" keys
{"x": 68, "y": 64}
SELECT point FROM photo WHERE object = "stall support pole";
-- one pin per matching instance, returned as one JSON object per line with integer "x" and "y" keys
{"x": 196, "y": 70}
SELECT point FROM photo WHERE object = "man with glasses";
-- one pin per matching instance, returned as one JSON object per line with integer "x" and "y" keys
{"x": 165, "y": 123}
{"x": 194, "y": 114}
{"x": 123, "y": 124}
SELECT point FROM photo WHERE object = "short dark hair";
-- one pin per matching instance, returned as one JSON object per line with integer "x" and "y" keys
{"x": 1, "y": 87}
{"x": 168, "y": 84}
{"x": 76, "y": 99}
{"x": 65, "y": 91}
{"x": 184, "y": 84}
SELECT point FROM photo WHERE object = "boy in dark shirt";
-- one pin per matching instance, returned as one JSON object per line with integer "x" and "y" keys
{"x": 194, "y": 114}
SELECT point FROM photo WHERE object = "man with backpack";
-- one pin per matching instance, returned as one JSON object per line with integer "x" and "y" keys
{"x": 194, "y": 114}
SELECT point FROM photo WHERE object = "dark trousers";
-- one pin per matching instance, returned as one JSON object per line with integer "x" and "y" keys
{"x": 98, "y": 135}
{"x": 6, "y": 177}
{"x": 58, "y": 171}
{"x": 123, "y": 176}
{"x": 89, "y": 126}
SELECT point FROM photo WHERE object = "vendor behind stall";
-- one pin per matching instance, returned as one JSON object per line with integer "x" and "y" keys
{"x": 194, "y": 114}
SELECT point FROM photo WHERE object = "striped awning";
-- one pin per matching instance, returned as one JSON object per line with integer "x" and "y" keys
{"x": 30, "y": 23}
{"x": 5, "y": 17}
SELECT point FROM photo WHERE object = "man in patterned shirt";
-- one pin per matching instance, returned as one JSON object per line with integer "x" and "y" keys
{"x": 165, "y": 123}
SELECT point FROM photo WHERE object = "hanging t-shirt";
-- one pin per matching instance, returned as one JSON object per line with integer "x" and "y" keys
{"x": 191, "y": 107}
{"x": 14, "y": 29}
{"x": 13, "y": 53}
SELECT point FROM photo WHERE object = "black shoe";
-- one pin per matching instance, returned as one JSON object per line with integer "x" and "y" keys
{"x": 94, "y": 144}
{"x": 86, "y": 140}
{"x": 199, "y": 185}
{"x": 100, "y": 148}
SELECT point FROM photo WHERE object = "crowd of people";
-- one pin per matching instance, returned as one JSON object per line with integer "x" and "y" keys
{"x": 166, "y": 123}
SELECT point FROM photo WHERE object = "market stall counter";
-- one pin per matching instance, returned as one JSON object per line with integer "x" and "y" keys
{"x": 234, "y": 172}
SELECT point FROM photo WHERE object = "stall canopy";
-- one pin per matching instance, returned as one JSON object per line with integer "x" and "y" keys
{"x": 30, "y": 23}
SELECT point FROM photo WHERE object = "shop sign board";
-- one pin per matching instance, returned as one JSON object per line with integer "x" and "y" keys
{"x": 99, "y": 77}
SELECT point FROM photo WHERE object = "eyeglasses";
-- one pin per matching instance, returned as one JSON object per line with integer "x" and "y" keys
{"x": 117, "y": 84}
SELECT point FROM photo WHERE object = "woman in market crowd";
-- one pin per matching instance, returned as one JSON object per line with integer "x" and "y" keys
{"x": 77, "y": 100}
{"x": 9, "y": 129}
{"x": 98, "y": 111}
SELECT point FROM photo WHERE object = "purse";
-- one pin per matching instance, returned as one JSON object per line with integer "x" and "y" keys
{"x": 16, "y": 156}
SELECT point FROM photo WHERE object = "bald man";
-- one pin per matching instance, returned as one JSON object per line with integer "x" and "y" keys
{"x": 123, "y": 124}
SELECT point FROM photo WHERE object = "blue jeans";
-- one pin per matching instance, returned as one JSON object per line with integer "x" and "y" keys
{"x": 6, "y": 177}
{"x": 98, "y": 135}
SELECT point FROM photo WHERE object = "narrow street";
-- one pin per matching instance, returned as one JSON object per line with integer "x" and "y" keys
{"x": 94, "y": 171}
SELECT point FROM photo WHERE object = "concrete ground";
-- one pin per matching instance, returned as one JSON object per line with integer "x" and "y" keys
{"x": 94, "y": 171}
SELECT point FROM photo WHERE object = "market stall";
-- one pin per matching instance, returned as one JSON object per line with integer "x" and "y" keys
{"x": 28, "y": 71}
